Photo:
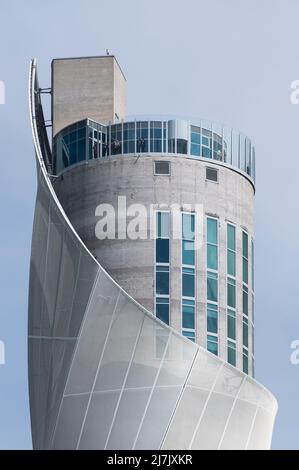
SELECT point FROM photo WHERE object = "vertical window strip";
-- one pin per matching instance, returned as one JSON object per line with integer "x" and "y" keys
{"x": 212, "y": 246}
{"x": 231, "y": 293}
{"x": 245, "y": 299}
{"x": 188, "y": 274}
{"x": 162, "y": 267}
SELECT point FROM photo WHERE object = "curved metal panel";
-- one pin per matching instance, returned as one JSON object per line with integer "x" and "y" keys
{"x": 106, "y": 374}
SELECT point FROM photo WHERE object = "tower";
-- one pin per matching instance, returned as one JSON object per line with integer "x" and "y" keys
{"x": 175, "y": 199}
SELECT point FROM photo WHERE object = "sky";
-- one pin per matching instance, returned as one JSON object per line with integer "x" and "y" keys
{"x": 230, "y": 61}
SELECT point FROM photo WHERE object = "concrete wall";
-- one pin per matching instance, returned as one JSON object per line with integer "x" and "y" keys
{"x": 131, "y": 262}
{"x": 88, "y": 87}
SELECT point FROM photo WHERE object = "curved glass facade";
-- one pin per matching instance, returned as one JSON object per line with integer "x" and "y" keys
{"x": 87, "y": 140}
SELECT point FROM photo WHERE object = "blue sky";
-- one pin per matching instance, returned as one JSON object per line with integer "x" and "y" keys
{"x": 227, "y": 61}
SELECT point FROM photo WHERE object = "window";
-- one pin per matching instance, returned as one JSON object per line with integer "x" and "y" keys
{"x": 212, "y": 244}
{"x": 245, "y": 300}
{"x": 162, "y": 280}
{"x": 231, "y": 324}
{"x": 162, "y": 309}
{"x": 188, "y": 275}
{"x": 245, "y": 332}
{"x": 162, "y": 288}
{"x": 245, "y": 360}
{"x": 162, "y": 250}
{"x": 162, "y": 168}
{"x": 212, "y": 286}
{"x": 212, "y": 318}
{"x": 188, "y": 282}
{"x": 231, "y": 292}
{"x": 212, "y": 344}
{"x": 231, "y": 353}
{"x": 188, "y": 320}
{"x": 231, "y": 250}
{"x": 245, "y": 256}
{"x": 212, "y": 174}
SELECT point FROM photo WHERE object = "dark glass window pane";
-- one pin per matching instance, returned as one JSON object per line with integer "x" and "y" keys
{"x": 162, "y": 250}
{"x": 212, "y": 345}
{"x": 245, "y": 270}
{"x": 212, "y": 257}
{"x": 212, "y": 319}
{"x": 231, "y": 326}
{"x": 81, "y": 150}
{"x": 245, "y": 302}
{"x": 82, "y": 133}
{"x": 231, "y": 295}
{"x": 73, "y": 153}
{"x": 188, "y": 254}
{"x": 245, "y": 244}
{"x": 188, "y": 285}
{"x": 181, "y": 146}
{"x": 188, "y": 317}
{"x": 245, "y": 334}
{"x": 162, "y": 282}
{"x": 245, "y": 363}
{"x": 162, "y": 311}
{"x": 212, "y": 288}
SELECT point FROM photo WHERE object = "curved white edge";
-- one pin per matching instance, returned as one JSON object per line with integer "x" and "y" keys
{"x": 184, "y": 371}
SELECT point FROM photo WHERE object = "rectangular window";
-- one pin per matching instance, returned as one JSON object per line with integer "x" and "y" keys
{"x": 163, "y": 223}
{"x": 231, "y": 292}
{"x": 231, "y": 250}
{"x": 231, "y": 324}
{"x": 212, "y": 244}
{"x": 212, "y": 318}
{"x": 162, "y": 288}
{"x": 188, "y": 276}
{"x": 212, "y": 286}
{"x": 231, "y": 353}
{"x": 245, "y": 256}
{"x": 245, "y": 300}
{"x": 188, "y": 282}
{"x": 162, "y": 250}
{"x": 245, "y": 332}
{"x": 188, "y": 254}
{"x": 162, "y": 309}
{"x": 188, "y": 226}
{"x": 245, "y": 360}
{"x": 162, "y": 280}
{"x": 212, "y": 344}
{"x": 188, "y": 320}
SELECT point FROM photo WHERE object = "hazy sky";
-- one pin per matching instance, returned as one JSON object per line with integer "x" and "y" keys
{"x": 226, "y": 60}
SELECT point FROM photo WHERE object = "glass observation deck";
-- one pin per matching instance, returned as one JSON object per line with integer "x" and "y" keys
{"x": 87, "y": 140}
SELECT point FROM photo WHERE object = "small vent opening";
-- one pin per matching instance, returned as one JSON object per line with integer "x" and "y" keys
{"x": 162, "y": 168}
{"x": 212, "y": 174}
